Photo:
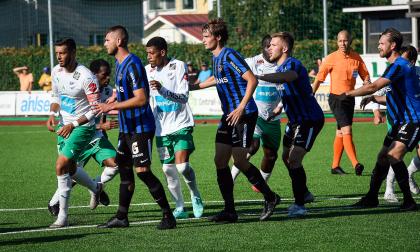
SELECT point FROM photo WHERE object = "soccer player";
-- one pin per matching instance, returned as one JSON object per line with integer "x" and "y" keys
{"x": 343, "y": 66}
{"x": 235, "y": 85}
{"x": 403, "y": 105}
{"x": 75, "y": 91}
{"x": 409, "y": 53}
{"x": 99, "y": 147}
{"x": 174, "y": 121}
{"x": 268, "y": 100}
{"x": 306, "y": 118}
{"x": 137, "y": 127}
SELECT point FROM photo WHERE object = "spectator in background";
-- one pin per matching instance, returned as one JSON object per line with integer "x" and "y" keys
{"x": 26, "y": 78}
{"x": 314, "y": 71}
{"x": 192, "y": 73}
{"x": 204, "y": 74}
{"x": 45, "y": 79}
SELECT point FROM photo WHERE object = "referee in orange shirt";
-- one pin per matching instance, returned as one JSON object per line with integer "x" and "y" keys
{"x": 343, "y": 66}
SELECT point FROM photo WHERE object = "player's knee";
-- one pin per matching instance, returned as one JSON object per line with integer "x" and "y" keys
{"x": 220, "y": 163}
{"x": 129, "y": 184}
{"x": 295, "y": 163}
{"x": 183, "y": 168}
{"x": 255, "y": 145}
{"x": 110, "y": 162}
{"x": 393, "y": 157}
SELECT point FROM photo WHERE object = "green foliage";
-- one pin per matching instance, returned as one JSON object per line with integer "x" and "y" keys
{"x": 38, "y": 57}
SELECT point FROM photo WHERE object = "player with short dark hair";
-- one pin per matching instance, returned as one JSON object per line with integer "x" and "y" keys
{"x": 306, "y": 118}
{"x": 137, "y": 127}
{"x": 75, "y": 92}
{"x": 235, "y": 85}
{"x": 403, "y": 106}
{"x": 174, "y": 123}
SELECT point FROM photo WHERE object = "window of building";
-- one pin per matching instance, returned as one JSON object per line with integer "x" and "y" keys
{"x": 376, "y": 26}
{"x": 96, "y": 39}
{"x": 188, "y": 4}
{"x": 161, "y": 4}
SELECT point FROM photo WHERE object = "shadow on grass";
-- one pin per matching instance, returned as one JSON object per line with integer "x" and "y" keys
{"x": 45, "y": 239}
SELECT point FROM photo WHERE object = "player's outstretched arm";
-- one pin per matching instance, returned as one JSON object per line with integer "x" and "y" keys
{"x": 279, "y": 77}
{"x": 370, "y": 88}
{"x": 206, "y": 84}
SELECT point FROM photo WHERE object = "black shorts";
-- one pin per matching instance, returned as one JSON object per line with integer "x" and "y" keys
{"x": 134, "y": 149}
{"x": 408, "y": 134}
{"x": 239, "y": 135}
{"x": 343, "y": 110}
{"x": 302, "y": 135}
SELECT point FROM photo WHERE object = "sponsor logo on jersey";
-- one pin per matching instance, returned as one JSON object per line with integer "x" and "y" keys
{"x": 172, "y": 66}
{"x": 76, "y": 75}
{"x": 222, "y": 80}
{"x": 219, "y": 68}
{"x": 92, "y": 87}
{"x": 235, "y": 67}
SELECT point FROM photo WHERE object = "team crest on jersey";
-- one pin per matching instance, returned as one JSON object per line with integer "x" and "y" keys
{"x": 261, "y": 61}
{"x": 172, "y": 66}
{"x": 120, "y": 76}
{"x": 220, "y": 68}
{"x": 92, "y": 87}
{"x": 76, "y": 75}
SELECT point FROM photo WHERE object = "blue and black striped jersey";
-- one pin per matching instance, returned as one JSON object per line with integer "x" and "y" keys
{"x": 130, "y": 75}
{"x": 299, "y": 103}
{"x": 403, "y": 99}
{"x": 228, "y": 68}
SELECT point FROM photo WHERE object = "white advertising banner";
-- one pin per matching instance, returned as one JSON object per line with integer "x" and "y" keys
{"x": 34, "y": 103}
{"x": 7, "y": 103}
{"x": 205, "y": 102}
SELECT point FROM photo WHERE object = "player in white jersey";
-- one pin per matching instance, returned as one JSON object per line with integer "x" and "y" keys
{"x": 99, "y": 147}
{"x": 75, "y": 90}
{"x": 174, "y": 123}
{"x": 410, "y": 53}
{"x": 268, "y": 100}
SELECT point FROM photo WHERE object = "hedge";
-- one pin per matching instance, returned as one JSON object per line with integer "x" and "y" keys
{"x": 38, "y": 57}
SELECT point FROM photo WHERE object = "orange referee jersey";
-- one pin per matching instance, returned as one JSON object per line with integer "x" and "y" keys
{"x": 343, "y": 70}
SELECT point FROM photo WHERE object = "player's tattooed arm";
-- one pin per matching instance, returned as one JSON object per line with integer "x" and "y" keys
{"x": 279, "y": 77}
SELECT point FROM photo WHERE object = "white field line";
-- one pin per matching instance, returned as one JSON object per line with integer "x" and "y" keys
{"x": 157, "y": 221}
{"x": 187, "y": 202}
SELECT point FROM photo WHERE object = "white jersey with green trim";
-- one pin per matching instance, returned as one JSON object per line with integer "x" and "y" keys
{"x": 75, "y": 93}
{"x": 267, "y": 94}
{"x": 170, "y": 104}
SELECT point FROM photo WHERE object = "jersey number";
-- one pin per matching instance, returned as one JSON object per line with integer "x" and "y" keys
{"x": 134, "y": 148}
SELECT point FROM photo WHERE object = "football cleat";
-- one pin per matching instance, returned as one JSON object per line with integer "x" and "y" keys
{"x": 168, "y": 222}
{"x": 54, "y": 209}
{"x": 269, "y": 208}
{"x": 198, "y": 206}
{"x": 408, "y": 206}
{"x": 359, "y": 169}
{"x": 60, "y": 223}
{"x": 414, "y": 188}
{"x": 390, "y": 197}
{"x": 224, "y": 217}
{"x": 366, "y": 202}
{"x": 338, "y": 171}
{"x": 179, "y": 213}
{"x": 114, "y": 222}
{"x": 297, "y": 211}
{"x": 94, "y": 197}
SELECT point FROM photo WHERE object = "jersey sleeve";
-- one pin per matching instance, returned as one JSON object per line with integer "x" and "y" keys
{"x": 91, "y": 88}
{"x": 251, "y": 64}
{"x": 181, "y": 93}
{"x": 324, "y": 69}
{"x": 137, "y": 76}
{"x": 237, "y": 63}
{"x": 54, "y": 94}
{"x": 393, "y": 72}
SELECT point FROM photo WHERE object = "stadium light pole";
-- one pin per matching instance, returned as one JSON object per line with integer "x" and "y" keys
{"x": 324, "y": 4}
{"x": 50, "y": 30}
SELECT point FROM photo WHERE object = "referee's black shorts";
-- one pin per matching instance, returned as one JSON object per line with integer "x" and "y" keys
{"x": 343, "y": 110}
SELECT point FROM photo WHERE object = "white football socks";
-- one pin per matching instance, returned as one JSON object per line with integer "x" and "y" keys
{"x": 82, "y": 178}
{"x": 107, "y": 174}
{"x": 390, "y": 182}
{"x": 266, "y": 176}
{"x": 235, "y": 172}
{"x": 174, "y": 185}
{"x": 189, "y": 177}
{"x": 64, "y": 187}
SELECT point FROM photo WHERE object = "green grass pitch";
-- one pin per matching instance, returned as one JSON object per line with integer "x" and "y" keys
{"x": 27, "y": 181}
